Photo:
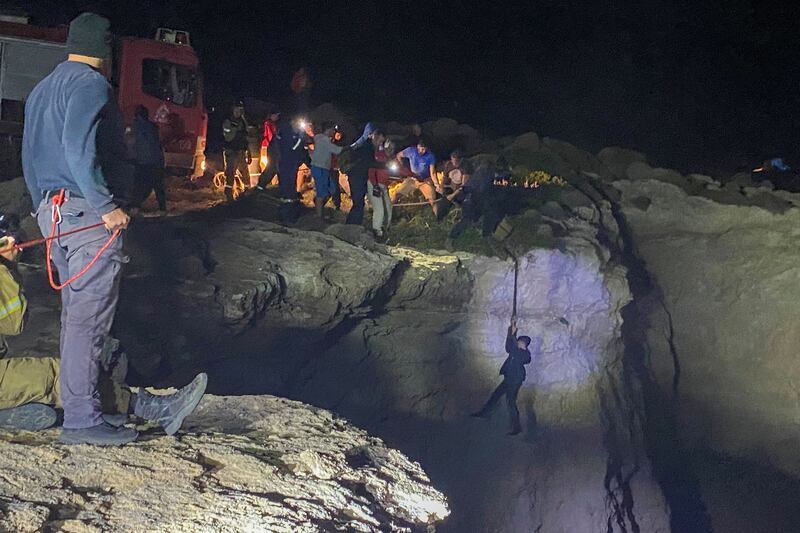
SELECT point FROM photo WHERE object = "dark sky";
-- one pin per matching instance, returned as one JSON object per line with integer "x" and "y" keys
{"x": 696, "y": 84}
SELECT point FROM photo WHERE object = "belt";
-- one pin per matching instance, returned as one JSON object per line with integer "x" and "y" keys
{"x": 68, "y": 194}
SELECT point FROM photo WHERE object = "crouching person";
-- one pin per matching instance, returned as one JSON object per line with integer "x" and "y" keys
{"x": 30, "y": 387}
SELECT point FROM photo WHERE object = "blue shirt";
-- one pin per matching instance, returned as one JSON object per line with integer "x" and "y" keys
{"x": 59, "y": 142}
{"x": 420, "y": 163}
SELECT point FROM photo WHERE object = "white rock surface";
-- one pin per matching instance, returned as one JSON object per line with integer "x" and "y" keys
{"x": 730, "y": 280}
{"x": 243, "y": 464}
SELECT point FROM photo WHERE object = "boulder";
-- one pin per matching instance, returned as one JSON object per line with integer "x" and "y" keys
{"x": 527, "y": 141}
{"x": 580, "y": 160}
{"x": 617, "y": 160}
{"x": 242, "y": 463}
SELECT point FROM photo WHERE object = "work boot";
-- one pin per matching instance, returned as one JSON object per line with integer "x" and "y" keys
{"x": 115, "y": 420}
{"x": 170, "y": 410}
{"x": 103, "y": 434}
{"x": 480, "y": 414}
{"x": 29, "y": 417}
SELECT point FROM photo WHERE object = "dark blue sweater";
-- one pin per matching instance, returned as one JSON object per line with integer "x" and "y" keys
{"x": 59, "y": 144}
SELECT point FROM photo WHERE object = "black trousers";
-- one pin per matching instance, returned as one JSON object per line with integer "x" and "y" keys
{"x": 358, "y": 193}
{"x": 475, "y": 206}
{"x": 149, "y": 178}
{"x": 510, "y": 389}
{"x": 289, "y": 211}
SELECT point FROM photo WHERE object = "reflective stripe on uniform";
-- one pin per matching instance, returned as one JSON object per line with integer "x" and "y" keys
{"x": 14, "y": 306}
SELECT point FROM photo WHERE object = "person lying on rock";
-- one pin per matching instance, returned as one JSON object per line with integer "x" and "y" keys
{"x": 30, "y": 386}
{"x": 513, "y": 372}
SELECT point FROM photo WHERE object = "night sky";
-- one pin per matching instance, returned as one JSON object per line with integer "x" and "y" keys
{"x": 711, "y": 85}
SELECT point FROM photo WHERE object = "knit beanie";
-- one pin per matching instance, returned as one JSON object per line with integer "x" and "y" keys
{"x": 89, "y": 36}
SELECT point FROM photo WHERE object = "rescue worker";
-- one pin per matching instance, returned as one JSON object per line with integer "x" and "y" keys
{"x": 270, "y": 130}
{"x": 360, "y": 160}
{"x": 513, "y": 372}
{"x": 321, "y": 166}
{"x": 482, "y": 199}
{"x": 30, "y": 386}
{"x": 236, "y": 150}
{"x": 149, "y": 156}
{"x": 63, "y": 117}
{"x": 422, "y": 163}
{"x": 383, "y": 169}
{"x": 290, "y": 151}
{"x": 455, "y": 177}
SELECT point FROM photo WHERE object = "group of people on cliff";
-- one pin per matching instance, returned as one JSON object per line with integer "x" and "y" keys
{"x": 371, "y": 164}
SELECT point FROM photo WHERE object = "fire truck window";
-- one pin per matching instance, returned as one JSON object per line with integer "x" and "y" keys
{"x": 170, "y": 82}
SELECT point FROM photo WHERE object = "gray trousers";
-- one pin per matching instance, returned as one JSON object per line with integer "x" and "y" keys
{"x": 87, "y": 306}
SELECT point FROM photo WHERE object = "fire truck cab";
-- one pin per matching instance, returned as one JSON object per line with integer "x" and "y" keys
{"x": 163, "y": 74}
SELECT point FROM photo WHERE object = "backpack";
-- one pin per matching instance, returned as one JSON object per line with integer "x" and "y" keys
{"x": 12, "y": 303}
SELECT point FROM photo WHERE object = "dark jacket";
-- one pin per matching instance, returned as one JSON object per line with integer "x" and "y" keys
{"x": 290, "y": 146}
{"x": 147, "y": 145}
{"x": 513, "y": 368}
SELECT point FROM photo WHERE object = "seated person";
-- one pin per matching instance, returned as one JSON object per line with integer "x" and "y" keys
{"x": 422, "y": 163}
{"x": 29, "y": 386}
{"x": 455, "y": 176}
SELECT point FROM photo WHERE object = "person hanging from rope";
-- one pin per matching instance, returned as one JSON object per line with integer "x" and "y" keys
{"x": 30, "y": 386}
{"x": 61, "y": 154}
{"x": 513, "y": 372}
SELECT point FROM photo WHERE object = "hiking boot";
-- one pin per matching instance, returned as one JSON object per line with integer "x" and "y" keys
{"x": 514, "y": 431}
{"x": 103, "y": 434}
{"x": 29, "y": 417}
{"x": 115, "y": 420}
{"x": 480, "y": 414}
{"x": 170, "y": 410}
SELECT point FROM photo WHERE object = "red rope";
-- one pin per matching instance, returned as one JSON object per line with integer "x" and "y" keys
{"x": 58, "y": 201}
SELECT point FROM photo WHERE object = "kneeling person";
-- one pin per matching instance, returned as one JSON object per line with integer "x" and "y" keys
{"x": 30, "y": 386}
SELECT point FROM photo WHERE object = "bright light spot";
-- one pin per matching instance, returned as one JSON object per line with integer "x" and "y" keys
{"x": 393, "y": 166}
{"x": 264, "y": 161}
{"x": 203, "y": 165}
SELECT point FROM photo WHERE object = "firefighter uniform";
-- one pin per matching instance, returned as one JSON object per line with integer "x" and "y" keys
{"x": 236, "y": 153}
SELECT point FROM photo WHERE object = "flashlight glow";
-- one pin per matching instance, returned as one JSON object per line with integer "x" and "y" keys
{"x": 393, "y": 166}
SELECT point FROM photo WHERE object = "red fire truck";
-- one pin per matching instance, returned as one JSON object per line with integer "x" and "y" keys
{"x": 163, "y": 74}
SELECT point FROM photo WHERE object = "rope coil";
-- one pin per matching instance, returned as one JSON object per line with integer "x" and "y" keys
{"x": 58, "y": 201}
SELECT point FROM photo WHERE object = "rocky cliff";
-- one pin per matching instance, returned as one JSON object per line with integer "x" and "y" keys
{"x": 249, "y": 463}
{"x": 407, "y": 344}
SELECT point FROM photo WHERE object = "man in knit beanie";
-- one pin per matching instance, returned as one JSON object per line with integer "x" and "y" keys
{"x": 63, "y": 115}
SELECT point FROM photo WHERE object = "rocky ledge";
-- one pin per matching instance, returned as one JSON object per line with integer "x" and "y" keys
{"x": 248, "y": 463}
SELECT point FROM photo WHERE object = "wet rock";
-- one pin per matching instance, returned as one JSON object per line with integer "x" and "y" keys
{"x": 241, "y": 463}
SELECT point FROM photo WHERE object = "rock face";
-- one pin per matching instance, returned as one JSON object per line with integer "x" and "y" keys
{"x": 245, "y": 464}
{"x": 406, "y": 344}
{"x": 722, "y": 334}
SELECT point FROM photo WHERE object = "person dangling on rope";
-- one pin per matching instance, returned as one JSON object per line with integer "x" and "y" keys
{"x": 513, "y": 372}
{"x": 70, "y": 126}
